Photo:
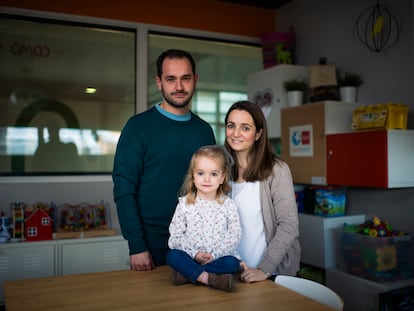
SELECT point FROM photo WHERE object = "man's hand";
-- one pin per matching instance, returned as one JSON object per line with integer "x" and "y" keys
{"x": 141, "y": 261}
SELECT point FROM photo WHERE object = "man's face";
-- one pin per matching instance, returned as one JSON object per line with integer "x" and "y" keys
{"x": 177, "y": 84}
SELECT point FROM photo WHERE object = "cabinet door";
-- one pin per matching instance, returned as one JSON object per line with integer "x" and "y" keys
{"x": 376, "y": 158}
{"x": 358, "y": 159}
{"x": 94, "y": 255}
{"x": 25, "y": 261}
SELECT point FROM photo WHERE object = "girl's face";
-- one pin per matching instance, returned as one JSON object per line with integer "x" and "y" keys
{"x": 240, "y": 131}
{"x": 208, "y": 176}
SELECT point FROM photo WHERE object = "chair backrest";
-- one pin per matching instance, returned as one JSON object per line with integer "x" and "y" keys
{"x": 311, "y": 289}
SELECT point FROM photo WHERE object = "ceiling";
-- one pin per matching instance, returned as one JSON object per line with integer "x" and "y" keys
{"x": 265, "y": 4}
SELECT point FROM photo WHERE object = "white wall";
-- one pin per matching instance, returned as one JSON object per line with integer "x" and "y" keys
{"x": 324, "y": 28}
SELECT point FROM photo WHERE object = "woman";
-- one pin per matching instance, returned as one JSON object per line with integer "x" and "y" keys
{"x": 263, "y": 190}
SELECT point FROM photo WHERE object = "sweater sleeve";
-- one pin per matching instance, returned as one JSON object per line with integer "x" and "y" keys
{"x": 281, "y": 222}
{"x": 126, "y": 179}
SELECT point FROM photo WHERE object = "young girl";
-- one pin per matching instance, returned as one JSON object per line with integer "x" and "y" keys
{"x": 205, "y": 229}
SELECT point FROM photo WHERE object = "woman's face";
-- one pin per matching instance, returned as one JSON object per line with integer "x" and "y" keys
{"x": 241, "y": 132}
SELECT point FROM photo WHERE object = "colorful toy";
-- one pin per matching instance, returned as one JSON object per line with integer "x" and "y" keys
{"x": 4, "y": 228}
{"x": 374, "y": 227}
{"x": 82, "y": 217}
{"x": 17, "y": 210}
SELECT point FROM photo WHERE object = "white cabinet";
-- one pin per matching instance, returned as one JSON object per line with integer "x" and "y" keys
{"x": 360, "y": 294}
{"x": 321, "y": 148}
{"x": 23, "y": 260}
{"x": 266, "y": 89}
{"x": 376, "y": 158}
{"x": 317, "y": 237}
{"x": 26, "y": 260}
{"x": 93, "y": 255}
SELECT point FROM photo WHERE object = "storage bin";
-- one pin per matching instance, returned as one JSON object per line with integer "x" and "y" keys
{"x": 384, "y": 259}
{"x": 387, "y": 116}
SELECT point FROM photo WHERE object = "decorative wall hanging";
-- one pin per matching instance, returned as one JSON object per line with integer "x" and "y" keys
{"x": 377, "y": 28}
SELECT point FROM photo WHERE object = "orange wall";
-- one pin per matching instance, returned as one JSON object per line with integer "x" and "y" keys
{"x": 209, "y": 15}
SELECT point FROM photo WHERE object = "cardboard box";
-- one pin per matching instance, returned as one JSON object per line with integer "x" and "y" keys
{"x": 304, "y": 131}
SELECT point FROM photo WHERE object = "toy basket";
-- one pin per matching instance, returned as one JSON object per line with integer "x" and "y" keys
{"x": 382, "y": 259}
{"x": 387, "y": 116}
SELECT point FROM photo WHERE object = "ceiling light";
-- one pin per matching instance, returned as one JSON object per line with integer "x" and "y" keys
{"x": 90, "y": 90}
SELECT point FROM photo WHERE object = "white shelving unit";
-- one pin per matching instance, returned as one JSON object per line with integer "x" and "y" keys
{"x": 25, "y": 260}
{"x": 360, "y": 294}
{"x": 317, "y": 238}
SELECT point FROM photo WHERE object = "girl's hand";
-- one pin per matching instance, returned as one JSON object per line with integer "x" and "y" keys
{"x": 203, "y": 258}
{"x": 250, "y": 275}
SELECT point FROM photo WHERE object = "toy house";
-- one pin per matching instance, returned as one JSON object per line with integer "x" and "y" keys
{"x": 38, "y": 226}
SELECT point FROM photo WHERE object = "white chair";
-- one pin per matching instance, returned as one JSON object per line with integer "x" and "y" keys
{"x": 311, "y": 289}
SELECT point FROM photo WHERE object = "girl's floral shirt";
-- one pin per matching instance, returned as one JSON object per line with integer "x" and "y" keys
{"x": 206, "y": 226}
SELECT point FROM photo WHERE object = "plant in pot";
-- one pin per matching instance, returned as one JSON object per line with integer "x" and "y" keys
{"x": 296, "y": 89}
{"x": 348, "y": 84}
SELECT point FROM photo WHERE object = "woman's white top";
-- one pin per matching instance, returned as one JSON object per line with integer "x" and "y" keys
{"x": 253, "y": 241}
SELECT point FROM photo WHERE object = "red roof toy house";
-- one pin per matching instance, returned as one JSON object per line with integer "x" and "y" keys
{"x": 38, "y": 226}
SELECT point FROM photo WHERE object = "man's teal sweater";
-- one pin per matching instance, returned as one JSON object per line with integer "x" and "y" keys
{"x": 151, "y": 160}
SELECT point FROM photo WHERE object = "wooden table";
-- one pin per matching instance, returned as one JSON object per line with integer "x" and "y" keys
{"x": 152, "y": 290}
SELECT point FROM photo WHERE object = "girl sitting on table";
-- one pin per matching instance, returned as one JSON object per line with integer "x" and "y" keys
{"x": 205, "y": 229}
{"x": 264, "y": 193}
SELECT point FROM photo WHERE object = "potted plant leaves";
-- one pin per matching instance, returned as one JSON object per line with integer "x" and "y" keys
{"x": 348, "y": 84}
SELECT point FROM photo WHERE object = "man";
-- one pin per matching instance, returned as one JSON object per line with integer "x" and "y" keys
{"x": 152, "y": 157}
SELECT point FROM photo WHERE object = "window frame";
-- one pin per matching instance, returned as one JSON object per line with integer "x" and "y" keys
{"x": 141, "y": 90}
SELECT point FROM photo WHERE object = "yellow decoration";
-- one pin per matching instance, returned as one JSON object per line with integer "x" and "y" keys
{"x": 379, "y": 23}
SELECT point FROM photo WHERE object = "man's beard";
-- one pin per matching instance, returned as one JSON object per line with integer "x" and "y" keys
{"x": 174, "y": 103}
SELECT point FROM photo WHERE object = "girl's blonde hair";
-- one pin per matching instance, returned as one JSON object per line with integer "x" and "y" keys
{"x": 222, "y": 158}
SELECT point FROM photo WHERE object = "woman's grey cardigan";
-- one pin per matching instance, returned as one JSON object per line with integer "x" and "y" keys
{"x": 281, "y": 223}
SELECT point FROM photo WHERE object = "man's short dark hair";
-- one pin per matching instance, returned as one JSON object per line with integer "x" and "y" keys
{"x": 174, "y": 54}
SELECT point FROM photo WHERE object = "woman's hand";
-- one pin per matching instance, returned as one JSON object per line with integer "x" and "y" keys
{"x": 250, "y": 275}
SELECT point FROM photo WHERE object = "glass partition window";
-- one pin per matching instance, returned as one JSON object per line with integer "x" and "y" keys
{"x": 222, "y": 67}
{"x": 66, "y": 90}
